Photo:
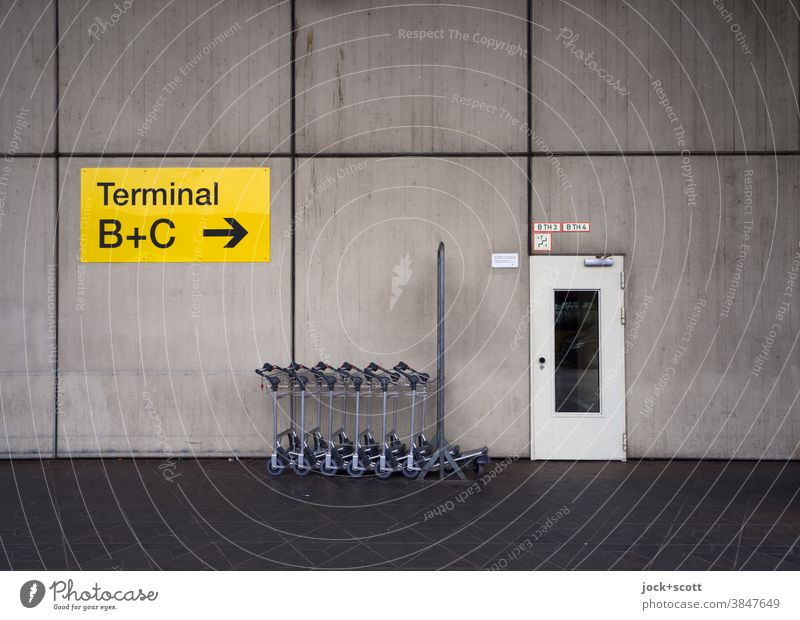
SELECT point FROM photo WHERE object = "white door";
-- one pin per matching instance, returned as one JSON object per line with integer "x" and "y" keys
{"x": 577, "y": 358}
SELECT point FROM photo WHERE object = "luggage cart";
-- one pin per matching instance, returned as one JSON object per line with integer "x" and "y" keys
{"x": 304, "y": 451}
{"x": 281, "y": 386}
{"x": 335, "y": 452}
{"x": 394, "y": 394}
{"x": 359, "y": 462}
{"x": 377, "y": 453}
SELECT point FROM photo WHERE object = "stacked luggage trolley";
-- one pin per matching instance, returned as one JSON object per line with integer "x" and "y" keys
{"x": 342, "y": 392}
{"x": 343, "y": 440}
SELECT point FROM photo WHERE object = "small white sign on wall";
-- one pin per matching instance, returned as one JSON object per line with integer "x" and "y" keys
{"x": 505, "y": 261}
{"x": 547, "y": 227}
{"x": 542, "y": 242}
{"x": 577, "y": 226}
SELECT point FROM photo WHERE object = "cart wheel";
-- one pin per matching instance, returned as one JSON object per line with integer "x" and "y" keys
{"x": 409, "y": 473}
{"x": 356, "y": 473}
{"x": 384, "y": 474}
{"x": 274, "y": 471}
{"x": 477, "y": 469}
{"x": 301, "y": 467}
{"x": 328, "y": 471}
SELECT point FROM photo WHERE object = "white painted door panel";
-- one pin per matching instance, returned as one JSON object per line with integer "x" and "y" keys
{"x": 577, "y": 359}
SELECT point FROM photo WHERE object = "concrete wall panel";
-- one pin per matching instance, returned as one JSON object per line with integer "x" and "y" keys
{"x": 178, "y": 77}
{"x": 366, "y": 280}
{"x": 690, "y": 357}
{"x": 140, "y": 374}
{"x": 27, "y": 76}
{"x": 27, "y": 306}
{"x": 574, "y": 109}
{"x": 364, "y": 85}
{"x": 731, "y": 81}
{"x": 160, "y": 358}
{"x": 763, "y": 402}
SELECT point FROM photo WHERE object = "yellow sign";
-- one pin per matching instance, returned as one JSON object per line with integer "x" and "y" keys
{"x": 174, "y": 215}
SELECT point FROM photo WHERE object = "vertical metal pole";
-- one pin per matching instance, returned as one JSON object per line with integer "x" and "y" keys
{"x": 301, "y": 450}
{"x": 356, "y": 442}
{"x": 440, "y": 438}
{"x": 411, "y": 432}
{"x": 358, "y": 411}
{"x": 441, "y": 458}
{"x": 383, "y": 434}
{"x": 422, "y": 404}
{"x": 291, "y": 407}
{"x": 330, "y": 416}
{"x": 394, "y": 415}
{"x": 344, "y": 407}
{"x": 275, "y": 418}
{"x": 319, "y": 406}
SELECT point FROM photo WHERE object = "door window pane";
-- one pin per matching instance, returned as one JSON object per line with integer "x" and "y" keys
{"x": 577, "y": 343}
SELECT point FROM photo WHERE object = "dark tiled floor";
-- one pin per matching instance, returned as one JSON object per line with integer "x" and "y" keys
{"x": 220, "y": 514}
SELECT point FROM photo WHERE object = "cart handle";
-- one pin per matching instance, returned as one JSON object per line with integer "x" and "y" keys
{"x": 302, "y": 381}
{"x": 410, "y": 376}
{"x": 323, "y": 366}
{"x": 423, "y": 376}
{"x": 290, "y": 372}
{"x": 272, "y": 367}
{"x": 321, "y": 377}
{"x": 393, "y": 376}
{"x": 274, "y": 381}
{"x": 382, "y": 379}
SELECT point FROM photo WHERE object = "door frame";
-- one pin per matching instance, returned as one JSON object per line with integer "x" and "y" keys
{"x": 619, "y": 361}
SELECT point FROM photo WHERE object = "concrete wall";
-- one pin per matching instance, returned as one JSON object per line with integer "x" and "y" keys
{"x": 160, "y": 358}
{"x": 726, "y": 97}
{"x": 28, "y": 310}
{"x": 365, "y": 85}
{"x": 27, "y": 76}
{"x": 400, "y": 143}
{"x": 682, "y": 264}
{"x": 366, "y": 283}
{"x": 177, "y": 77}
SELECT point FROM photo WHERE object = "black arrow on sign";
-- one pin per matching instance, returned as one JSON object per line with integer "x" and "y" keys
{"x": 236, "y": 232}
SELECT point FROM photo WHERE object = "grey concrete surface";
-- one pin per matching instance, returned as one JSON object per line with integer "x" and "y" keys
{"x": 366, "y": 81}
{"x": 159, "y": 359}
{"x": 177, "y": 77}
{"x": 677, "y": 259}
{"x": 726, "y": 97}
{"x": 140, "y": 375}
{"x": 28, "y": 316}
{"x": 27, "y": 76}
{"x": 366, "y": 280}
